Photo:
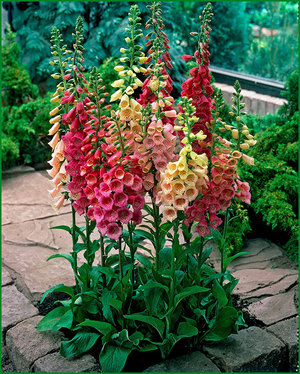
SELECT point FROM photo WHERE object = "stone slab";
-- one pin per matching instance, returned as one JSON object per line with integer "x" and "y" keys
{"x": 251, "y": 350}
{"x": 287, "y": 331}
{"x": 55, "y": 363}
{"x": 26, "y": 344}
{"x": 266, "y": 254}
{"x": 274, "y": 308}
{"x": 195, "y": 362}
{"x": 5, "y": 277}
{"x": 15, "y": 307}
{"x": 25, "y": 189}
{"x": 255, "y": 281}
{"x": 12, "y": 213}
{"x": 29, "y": 262}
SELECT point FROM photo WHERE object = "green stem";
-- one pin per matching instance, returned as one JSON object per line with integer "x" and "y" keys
{"x": 74, "y": 254}
{"x": 200, "y": 253}
{"x": 120, "y": 260}
{"x": 156, "y": 220}
{"x": 131, "y": 247}
{"x": 102, "y": 258}
{"x": 175, "y": 243}
{"x": 222, "y": 249}
{"x": 102, "y": 255}
{"x": 88, "y": 241}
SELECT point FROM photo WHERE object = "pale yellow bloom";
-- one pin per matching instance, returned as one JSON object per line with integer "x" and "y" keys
{"x": 117, "y": 95}
{"x": 126, "y": 114}
{"x": 235, "y": 133}
{"x": 54, "y": 111}
{"x": 178, "y": 187}
{"x": 118, "y": 83}
{"x": 244, "y": 146}
{"x": 129, "y": 90}
{"x": 124, "y": 101}
{"x": 119, "y": 68}
{"x": 55, "y": 119}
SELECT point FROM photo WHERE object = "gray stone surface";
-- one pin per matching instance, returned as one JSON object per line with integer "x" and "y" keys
{"x": 25, "y": 344}
{"x": 287, "y": 331}
{"x": 195, "y": 362}
{"x": 274, "y": 308}
{"x": 15, "y": 307}
{"x": 55, "y": 363}
{"x": 251, "y": 350}
{"x": 17, "y": 170}
{"x": 257, "y": 282}
{"x": 37, "y": 274}
{"x": 5, "y": 277}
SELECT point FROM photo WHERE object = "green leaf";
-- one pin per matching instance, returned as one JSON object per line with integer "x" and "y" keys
{"x": 145, "y": 234}
{"x": 58, "y": 288}
{"x": 219, "y": 293}
{"x": 79, "y": 247}
{"x": 113, "y": 358}
{"x": 81, "y": 343}
{"x": 205, "y": 254}
{"x": 62, "y": 227}
{"x": 103, "y": 327}
{"x": 186, "y": 330}
{"x": 218, "y": 238}
{"x": 231, "y": 258}
{"x": 188, "y": 292}
{"x": 164, "y": 257}
{"x": 223, "y": 325}
{"x": 145, "y": 261}
{"x": 56, "y": 319}
{"x": 65, "y": 256}
{"x": 154, "y": 322}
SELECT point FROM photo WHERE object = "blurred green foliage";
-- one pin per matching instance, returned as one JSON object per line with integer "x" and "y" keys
{"x": 274, "y": 178}
{"x": 105, "y": 23}
{"x": 25, "y": 133}
{"x": 273, "y": 32}
{"x": 16, "y": 83}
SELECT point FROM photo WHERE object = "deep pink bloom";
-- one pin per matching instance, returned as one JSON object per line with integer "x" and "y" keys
{"x": 114, "y": 231}
{"x": 128, "y": 179}
{"x": 98, "y": 213}
{"x": 124, "y": 215}
{"x": 104, "y": 189}
{"x": 111, "y": 215}
{"x": 120, "y": 199}
{"x": 137, "y": 183}
{"x": 137, "y": 217}
{"x": 106, "y": 202}
{"x": 116, "y": 185}
{"x": 138, "y": 202}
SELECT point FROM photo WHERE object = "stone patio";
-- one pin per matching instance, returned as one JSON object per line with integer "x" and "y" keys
{"x": 267, "y": 293}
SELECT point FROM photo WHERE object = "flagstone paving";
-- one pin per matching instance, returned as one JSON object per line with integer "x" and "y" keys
{"x": 267, "y": 291}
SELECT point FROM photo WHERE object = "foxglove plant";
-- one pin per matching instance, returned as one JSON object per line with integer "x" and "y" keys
{"x": 106, "y": 162}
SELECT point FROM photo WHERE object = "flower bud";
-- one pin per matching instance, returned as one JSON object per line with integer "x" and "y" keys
{"x": 119, "y": 68}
